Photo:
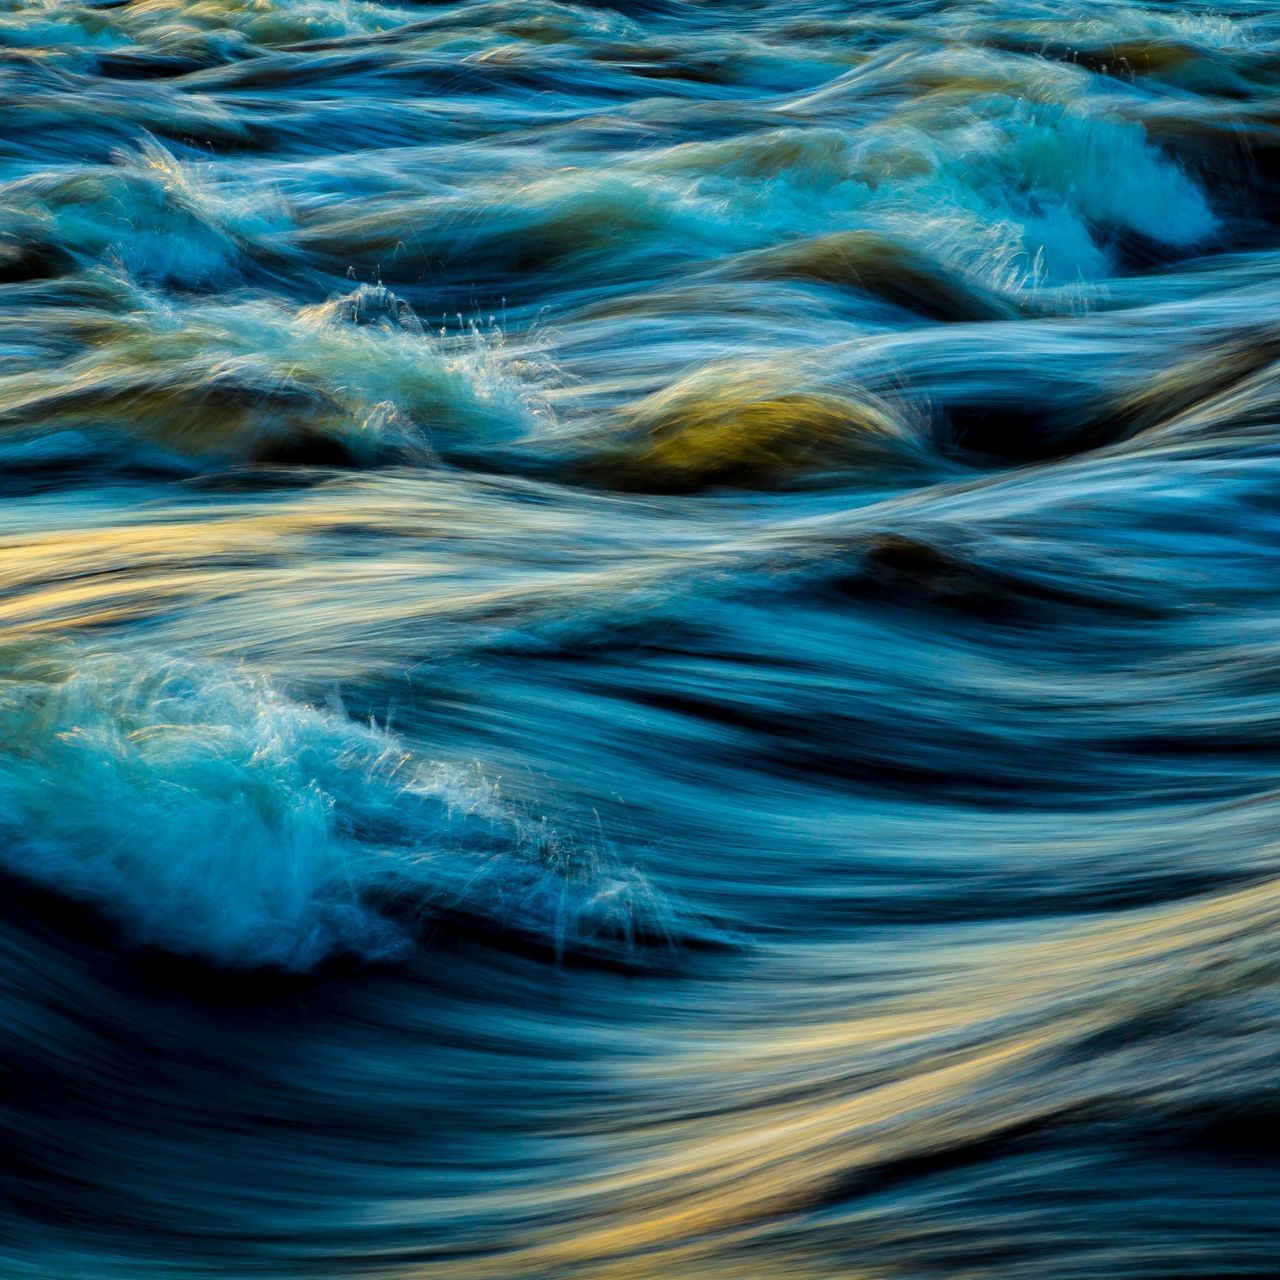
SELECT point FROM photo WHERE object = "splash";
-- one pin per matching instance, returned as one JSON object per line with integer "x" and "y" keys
{"x": 344, "y": 383}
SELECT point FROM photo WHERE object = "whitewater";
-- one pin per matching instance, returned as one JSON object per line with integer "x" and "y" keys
{"x": 639, "y": 641}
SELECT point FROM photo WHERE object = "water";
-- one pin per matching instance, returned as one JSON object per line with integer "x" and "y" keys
{"x": 639, "y": 640}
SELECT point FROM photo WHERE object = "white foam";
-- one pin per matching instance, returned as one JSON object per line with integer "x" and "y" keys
{"x": 1017, "y": 189}
{"x": 208, "y": 814}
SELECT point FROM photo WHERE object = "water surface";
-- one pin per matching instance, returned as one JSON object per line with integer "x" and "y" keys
{"x": 639, "y": 640}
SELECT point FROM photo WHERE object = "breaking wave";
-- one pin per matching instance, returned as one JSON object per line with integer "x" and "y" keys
{"x": 210, "y": 815}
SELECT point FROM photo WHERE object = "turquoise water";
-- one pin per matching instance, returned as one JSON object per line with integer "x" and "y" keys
{"x": 639, "y": 640}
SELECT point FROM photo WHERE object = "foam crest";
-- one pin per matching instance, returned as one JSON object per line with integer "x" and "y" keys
{"x": 208, "y": 814}
{"x": 354, "y": 381}
{"x": 1013, "y": 188}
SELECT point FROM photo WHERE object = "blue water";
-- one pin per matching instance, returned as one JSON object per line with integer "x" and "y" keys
{"x": 639, "y": 641}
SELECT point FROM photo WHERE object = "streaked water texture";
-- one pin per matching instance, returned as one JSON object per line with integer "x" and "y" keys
{"x": 639, "y": 641}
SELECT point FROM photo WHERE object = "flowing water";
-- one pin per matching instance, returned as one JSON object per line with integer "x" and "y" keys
{"x": 639, "y": 640}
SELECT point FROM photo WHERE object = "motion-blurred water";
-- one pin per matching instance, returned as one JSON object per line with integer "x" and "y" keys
{"x": 639, "y": 640}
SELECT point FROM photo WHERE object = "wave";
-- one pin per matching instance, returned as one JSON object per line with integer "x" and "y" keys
{"x": 349, "y": 382}
{"x": 751, "y": 429}
{"x": 165, "y": 37}
{"x": 158, "y": 218}
{"x": 210, "y": 815}
{"x": 801, "y": 480}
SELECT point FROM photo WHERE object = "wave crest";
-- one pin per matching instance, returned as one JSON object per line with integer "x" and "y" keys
{"x": 208, "y": 814}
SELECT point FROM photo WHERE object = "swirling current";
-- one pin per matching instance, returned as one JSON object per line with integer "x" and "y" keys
{"x": 639, "y": 641}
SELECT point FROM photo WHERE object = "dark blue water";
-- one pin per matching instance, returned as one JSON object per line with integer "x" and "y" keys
{"x": 639, "y": 640}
